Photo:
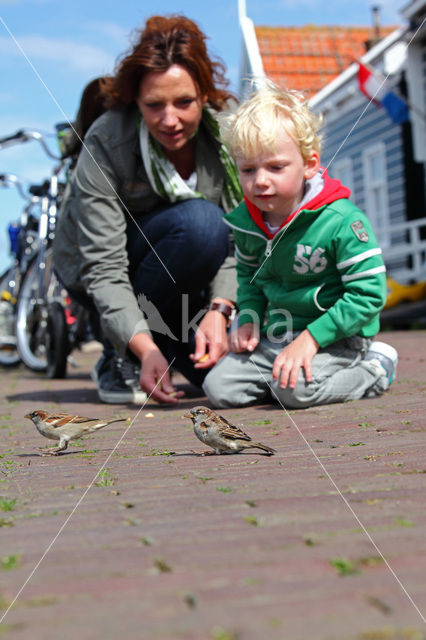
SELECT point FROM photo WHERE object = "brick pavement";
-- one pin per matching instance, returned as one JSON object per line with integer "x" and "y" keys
{"x": 325, "y": 541}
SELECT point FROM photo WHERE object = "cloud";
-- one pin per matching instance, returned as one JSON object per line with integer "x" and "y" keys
{"x": 75, "y": 55}
{"x": 112, "y": 30}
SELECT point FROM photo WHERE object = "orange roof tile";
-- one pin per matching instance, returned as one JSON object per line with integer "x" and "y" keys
{"x": 307, "y": 58}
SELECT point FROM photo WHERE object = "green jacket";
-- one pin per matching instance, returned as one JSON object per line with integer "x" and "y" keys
{"x": 322, "y": 270}
{"x": 90, "y": 244}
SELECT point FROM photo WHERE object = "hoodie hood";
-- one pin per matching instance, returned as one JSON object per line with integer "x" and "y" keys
{"x": 332, "y": 190}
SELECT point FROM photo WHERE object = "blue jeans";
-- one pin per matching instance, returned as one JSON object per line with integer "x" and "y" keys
{"x": 172, "y": 263}
{"x": 191, "y": 241}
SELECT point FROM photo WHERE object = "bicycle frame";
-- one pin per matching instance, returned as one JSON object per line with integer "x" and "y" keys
{"x": 40, "y": 289}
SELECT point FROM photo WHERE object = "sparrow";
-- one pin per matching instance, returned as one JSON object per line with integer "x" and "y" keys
{"x": 63, "y": 427}
{"x": 221, "y": 435}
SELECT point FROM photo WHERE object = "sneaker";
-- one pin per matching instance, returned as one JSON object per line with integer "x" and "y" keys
{"x": 129, "y": 370}
{"x": 131, "y": 373}
{"x": 117, "y": 381}
{"x": 94, "y": 374}
{"x": 385, "y": 356}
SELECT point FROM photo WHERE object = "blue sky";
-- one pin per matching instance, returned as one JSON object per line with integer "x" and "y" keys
{"x": 66, "y": 44}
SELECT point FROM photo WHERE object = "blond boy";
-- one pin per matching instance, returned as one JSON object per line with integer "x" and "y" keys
{"x": 311, "y": 275}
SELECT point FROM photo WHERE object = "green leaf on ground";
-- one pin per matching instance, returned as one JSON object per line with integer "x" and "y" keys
{"x": 344, "y": 566}
{"x": 402, "y": 522}
{"x": 7, "y": 504}
{"x": 221, "y": 634}
{"x": 104, "y": 479}
{"x": 10, "y": 562}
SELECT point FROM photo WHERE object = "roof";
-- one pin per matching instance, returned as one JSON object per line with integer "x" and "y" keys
{"x": 307, "y": 58}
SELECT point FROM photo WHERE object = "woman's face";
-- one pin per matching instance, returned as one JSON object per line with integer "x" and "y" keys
{"x": 171, "y": 105}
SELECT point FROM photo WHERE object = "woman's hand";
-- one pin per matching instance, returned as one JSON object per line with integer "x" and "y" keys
{"x": 211, "y": 334}
{"x": 299, "y": 353}
{"x": 155, "y": 371}
{"x": 245, "y": 338}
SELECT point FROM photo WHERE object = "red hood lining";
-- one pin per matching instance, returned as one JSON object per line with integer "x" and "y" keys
{"x": 332, "y": 190}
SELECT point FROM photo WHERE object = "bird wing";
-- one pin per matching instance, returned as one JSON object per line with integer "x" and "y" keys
{"x": 230, "y": 430}
{"x": 78, "y": 419}
{"x": 62, "y": 419}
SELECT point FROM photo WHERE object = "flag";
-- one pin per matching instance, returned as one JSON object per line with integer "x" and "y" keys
{"x": 374, "y": 86}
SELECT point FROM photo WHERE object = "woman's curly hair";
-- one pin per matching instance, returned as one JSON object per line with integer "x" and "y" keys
{"x": 163, "y": 42}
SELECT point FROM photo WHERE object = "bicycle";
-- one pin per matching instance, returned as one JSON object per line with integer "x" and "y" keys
{"x": 23, "y": 246}
{"x": 41, "y": 329}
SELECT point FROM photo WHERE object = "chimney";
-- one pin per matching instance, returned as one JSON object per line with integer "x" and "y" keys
{"x": 376, "y": 37}
{"x": 376, "y": 21}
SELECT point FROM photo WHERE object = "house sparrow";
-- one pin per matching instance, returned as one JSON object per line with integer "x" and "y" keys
{"x": 63, "y": 427}
{"x": 221, "y": 435}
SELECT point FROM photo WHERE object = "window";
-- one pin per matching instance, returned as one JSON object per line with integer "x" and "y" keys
{"x": 376, "y": 194}
{"x": 343, "y": 171}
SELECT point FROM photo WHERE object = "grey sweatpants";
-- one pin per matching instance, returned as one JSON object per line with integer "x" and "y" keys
{"x": 339, "y": 374}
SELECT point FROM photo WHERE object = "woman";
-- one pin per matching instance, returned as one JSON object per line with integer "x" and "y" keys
{"x": 141, "y": 230}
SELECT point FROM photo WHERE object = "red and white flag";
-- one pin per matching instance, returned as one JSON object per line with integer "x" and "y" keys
{"x": 374, "y": 86}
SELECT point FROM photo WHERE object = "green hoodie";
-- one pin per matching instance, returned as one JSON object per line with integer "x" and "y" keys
{"x": 322, "y": 270}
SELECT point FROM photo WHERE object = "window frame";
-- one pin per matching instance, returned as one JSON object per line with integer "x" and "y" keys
{"x": 377, "y": 188}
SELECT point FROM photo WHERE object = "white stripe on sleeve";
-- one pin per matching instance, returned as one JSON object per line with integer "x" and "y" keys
{"x": 364, "y": 274}
{"x": 359, "y": 258}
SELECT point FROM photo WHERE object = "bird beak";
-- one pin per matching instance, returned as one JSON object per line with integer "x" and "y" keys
{"x": 28, "y": 416}
{"x": 188, "y": 415}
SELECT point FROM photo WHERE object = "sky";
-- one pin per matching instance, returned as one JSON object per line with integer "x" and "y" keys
{"x": 50, "y": 49}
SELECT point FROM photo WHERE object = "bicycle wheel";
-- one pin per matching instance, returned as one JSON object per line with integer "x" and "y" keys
{"x": 9, "y": 355}
{"x": 32, "y": 313}
{"x": 57, "y": 343}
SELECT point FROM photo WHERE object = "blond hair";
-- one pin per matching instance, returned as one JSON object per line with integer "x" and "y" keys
{"x": 257, "y": 123}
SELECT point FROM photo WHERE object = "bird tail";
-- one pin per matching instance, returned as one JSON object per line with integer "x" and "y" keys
{"x": 106, "y": 423}
{"x": 268, "y": 450}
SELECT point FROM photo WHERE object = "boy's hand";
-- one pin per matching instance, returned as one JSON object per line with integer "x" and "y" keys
{"x": 297, "y": 354}
{"x": 245, "y": 338}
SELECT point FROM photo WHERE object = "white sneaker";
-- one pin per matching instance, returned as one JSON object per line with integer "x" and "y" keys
{"x": 384, "y": 356}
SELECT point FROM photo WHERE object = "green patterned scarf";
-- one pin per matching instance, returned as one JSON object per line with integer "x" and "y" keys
{"x": 167, "y": 182}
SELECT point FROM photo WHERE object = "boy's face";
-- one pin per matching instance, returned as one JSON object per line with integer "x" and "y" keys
{"x": 274, "y": 181}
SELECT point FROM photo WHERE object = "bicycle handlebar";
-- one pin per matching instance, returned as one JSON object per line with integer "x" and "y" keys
{"x": 24, "y": 135}
{"x": 10, "y": 178}
{"x": 14, "y": 136}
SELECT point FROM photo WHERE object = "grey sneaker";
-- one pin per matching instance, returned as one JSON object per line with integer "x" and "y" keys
{"x": 386, "y": 358}
{"x": 117, "y": 381}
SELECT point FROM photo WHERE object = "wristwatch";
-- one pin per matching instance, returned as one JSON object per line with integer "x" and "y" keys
{"x": 226, "y": 310}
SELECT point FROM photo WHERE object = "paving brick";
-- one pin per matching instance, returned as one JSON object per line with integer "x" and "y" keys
{"x": 197, "y": 547}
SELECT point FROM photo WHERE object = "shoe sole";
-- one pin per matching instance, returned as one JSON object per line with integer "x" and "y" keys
{"x": 118, "y": 397}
